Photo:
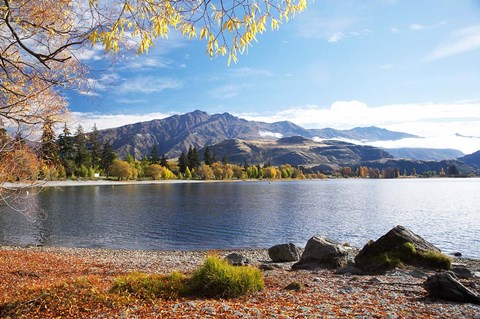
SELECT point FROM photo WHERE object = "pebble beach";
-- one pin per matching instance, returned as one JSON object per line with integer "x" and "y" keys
{"x": 28, "y": 275}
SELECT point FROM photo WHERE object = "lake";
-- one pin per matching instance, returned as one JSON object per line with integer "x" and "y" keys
{"x": 256, "y": 214}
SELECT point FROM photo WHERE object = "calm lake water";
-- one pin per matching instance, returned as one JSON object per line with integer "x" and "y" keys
{"x": 194, "y": 216}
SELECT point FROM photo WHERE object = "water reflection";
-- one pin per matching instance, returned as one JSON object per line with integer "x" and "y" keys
{"x": 249, "y": 214}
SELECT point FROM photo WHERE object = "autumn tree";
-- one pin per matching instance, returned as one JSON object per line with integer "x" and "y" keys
{"x": 205, "y": 172}
{"x": 154, "y": 171}
{"x": 120, "y": 169}
{"x": 41, "y": 43}
{"x": 41, "y": 40}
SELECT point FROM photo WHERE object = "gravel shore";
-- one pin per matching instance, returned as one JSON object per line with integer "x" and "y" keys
{"x": 324, "y": 294}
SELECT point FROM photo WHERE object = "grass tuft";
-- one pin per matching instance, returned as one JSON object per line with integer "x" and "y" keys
{"x": 437, "y": 259}
{"x": 147, "y": 286}
{"x": 217, "y": 278}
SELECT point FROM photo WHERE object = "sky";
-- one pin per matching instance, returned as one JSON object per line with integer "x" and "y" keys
{"x": 404, "y": 65}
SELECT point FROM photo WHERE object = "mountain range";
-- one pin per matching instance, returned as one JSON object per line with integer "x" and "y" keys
{"x": 176, "y": 133}
{"x": 278, "y": 143}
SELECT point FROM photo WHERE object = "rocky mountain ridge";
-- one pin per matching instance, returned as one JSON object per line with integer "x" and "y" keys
{"x": 176, "y": 133}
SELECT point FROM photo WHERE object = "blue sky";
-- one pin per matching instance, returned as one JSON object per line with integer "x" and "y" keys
{"x": 405, "y": 65}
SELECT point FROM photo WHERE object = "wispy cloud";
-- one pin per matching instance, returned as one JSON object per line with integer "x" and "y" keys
{"x": 91, "y": 86}
{"x": 461, "y": 41}
{"x": 420, "y": 27}
{"x": 249, "y": 72}
{"x": 145, "y": 63}
{"x": 88, "y": 93}
{"x": 131, "y": 101}
{"x": 337, "y": 36}
{"x": 226, "y": 92}
{"x": 315, "y": 24}
{"x": 148, "y": 85}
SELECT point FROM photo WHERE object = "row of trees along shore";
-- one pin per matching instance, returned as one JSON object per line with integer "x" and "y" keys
{"x": 78, "y": 155}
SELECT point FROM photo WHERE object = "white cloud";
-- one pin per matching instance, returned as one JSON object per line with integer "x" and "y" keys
{"x": 461, "y": 41}
{"x": 88, "y": 93}
{"x": 94, "y": 53}
{"x": 438, "y": 123}
{"x": 267, "y": 134}
{"x": 148, "y": 84}
{"x": 417, "y": 27}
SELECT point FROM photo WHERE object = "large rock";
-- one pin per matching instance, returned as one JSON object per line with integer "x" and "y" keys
{"x": 324, "y": 252}
{"x": 400, "y": 246}
{"x": 446, "y": 286}
{"x": 284, "y": 253}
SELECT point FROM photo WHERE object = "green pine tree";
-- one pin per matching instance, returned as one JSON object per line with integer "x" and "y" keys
{"x": 207, "y": 156}
{"x": 182, "y": 162}
{"x": 154, "y": 159}
{"x": 95, "y": 147}
{"x": 49, "y": 148}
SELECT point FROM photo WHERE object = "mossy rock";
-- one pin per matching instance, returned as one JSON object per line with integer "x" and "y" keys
{"x": 400, "y": 247}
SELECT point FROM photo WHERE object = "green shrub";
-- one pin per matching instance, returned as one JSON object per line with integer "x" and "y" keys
{"x": 217, "y": 278}
{"x": 147, "y": 286}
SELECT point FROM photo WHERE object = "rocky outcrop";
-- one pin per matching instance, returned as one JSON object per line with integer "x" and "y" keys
{"x": 400, "y": 246}
{"x": 324, "y": 252}
{"x": 284, "y": 253}
{"x": 447, "y": 287}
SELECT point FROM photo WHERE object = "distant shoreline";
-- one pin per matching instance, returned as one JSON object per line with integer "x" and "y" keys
{"x": 103, "y": 182}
